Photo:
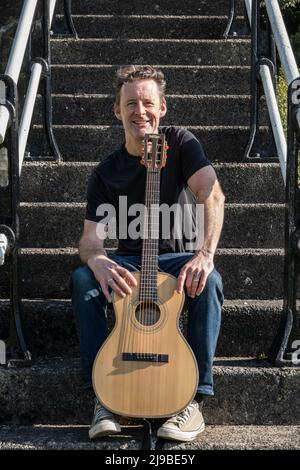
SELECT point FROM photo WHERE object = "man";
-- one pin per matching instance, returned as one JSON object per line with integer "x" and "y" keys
{"x": 140, "y": 104}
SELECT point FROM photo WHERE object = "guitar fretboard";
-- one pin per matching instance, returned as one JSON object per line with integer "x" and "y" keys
{"x": 148, "y": 285}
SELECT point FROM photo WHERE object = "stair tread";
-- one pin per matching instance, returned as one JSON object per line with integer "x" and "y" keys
{"x": 116, "y": 126}
{"x": 263, "y": 303}
{"x": 222, "y": 365}
{"x": 177, "y": 96}
{"x": 179, "y": 17}
{"x": 220, "y": 251}
{"x": 166, "y": 66}
{"x": 151, "y": 40}
{"x": 215, "y": 437}
{"x": 37, "y": 204}
{"x": 91, "y": 164}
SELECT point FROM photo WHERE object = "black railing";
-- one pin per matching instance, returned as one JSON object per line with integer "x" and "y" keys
{"x": 286, "y": 347}
{"x": 265, "y": 42}
{"x": 17, "y": 352}
{"x": 262, "y": 52}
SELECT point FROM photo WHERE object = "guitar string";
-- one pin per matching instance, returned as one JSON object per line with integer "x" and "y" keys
{"x": 149, "y": 248}
{"x": 152, "y": 242}
{"x": 152, "y": 190}
{"x": 154, "y": 234}
{"x": 143, "y": 296}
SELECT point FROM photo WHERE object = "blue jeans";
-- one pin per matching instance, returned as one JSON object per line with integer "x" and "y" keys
{"x": 204, "y": 318}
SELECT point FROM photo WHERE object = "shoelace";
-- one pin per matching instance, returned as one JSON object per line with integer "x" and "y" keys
{"x": 184, "y": 415}
{"x": 101, "y": 412}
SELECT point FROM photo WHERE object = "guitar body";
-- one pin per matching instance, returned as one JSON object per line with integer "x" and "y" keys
{"x": 145, "y": 368}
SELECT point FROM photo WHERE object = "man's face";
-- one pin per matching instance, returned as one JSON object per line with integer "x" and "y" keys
{"x": 140, "y": 109}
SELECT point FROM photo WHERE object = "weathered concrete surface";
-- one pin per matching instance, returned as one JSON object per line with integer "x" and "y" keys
{"x": 247, "y": 273}
{"x": 158, "y": 26}
{"x": 92, "y": 143}
{"x": 241, "y": 183}
{"x": 184, "y": 80}
{"x": 246, "y": 393}
{"x": 189, "y": 110}
{"x": 60, "y": 225}
{"x": 159, "y": 7}
{"x": 242, "y": 438}
{"x": 151, "y": 51}
{"x": 67, "y": 437}
{"x": 248, "y": 327}
{"x": 58, "y": 437}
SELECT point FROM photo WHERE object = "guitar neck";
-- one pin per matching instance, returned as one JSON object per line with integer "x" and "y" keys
{"x": 150, "y": 251}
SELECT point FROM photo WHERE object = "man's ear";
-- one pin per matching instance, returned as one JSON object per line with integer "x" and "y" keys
{"x": 163, "y": 107}
{"x": 117, "y": 111}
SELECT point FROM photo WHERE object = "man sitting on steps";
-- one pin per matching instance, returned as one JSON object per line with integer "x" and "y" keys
{"x": 140, "y": 104}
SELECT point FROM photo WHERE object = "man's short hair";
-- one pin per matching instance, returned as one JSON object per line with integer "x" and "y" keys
{"x": 131, "y": 73}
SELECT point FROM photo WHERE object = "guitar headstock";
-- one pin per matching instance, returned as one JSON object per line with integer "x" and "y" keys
{"x": 154, "y": 152}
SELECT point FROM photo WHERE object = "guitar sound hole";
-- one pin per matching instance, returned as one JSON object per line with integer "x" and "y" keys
{"x": 147, "y": 313}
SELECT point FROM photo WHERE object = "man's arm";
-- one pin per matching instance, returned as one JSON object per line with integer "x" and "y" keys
{"x": 106, "y": 271}
{"x": 205, "y": 186}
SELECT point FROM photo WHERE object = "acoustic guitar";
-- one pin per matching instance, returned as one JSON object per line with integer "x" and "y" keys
{"x": 145, "y": 368}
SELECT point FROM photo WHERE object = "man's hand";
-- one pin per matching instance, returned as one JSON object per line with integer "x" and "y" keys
{"x": 110, "y": 274}
{"x": 194, "y": 273}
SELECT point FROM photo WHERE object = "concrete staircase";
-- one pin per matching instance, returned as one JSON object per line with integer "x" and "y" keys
{"x": 256, "y": 406}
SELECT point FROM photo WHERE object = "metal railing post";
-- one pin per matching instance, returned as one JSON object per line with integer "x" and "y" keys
{"x": 262, "y": 51}
{"x": 281, "y": 353}
{"x": 9, "y": 226}
{"x": 48, "y": 122}
{"x": 16, "y": 56}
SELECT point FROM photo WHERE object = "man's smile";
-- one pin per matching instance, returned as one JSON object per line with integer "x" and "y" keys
{"x": 140, "y": 122}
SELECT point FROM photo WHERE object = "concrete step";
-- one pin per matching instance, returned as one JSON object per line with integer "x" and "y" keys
{"x": 248, "y": 327}
{"x": 153, "y": 51}
{"x": 91, "y": 143}
{"x": 149, "y": 26}
{"x": 159, "y": 7}
{"x": 183, "y": 110}
{"x": 50, "y": 225}
{"x": 75, "y": 437}
{"x": 246, "y": 392}
{"x": 187, "y": 79}
{"x": 69, "y": 437}
{"x": 247, "y": 273}
{"x": 241, "y": 182}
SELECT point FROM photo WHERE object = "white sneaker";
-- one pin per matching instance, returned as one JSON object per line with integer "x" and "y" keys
{"x": 185, "y": 426}
{"x": 104, "y": 422}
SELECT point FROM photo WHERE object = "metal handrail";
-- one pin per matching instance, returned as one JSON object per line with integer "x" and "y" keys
{"x": 288, "y": 150}
{"x": 248, "y": 5}
{"x": 276, "y": 123}
{"x": 17, "y": 55}
{"x": 291, "y": 73}
{"x": 13, "y": 68}
{"x": 13, "y": 140}
{"x": 29, "y": 103}
{"x": 282, "y": 41}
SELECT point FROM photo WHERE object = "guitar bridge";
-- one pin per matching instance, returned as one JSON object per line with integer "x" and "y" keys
{"x": 145, "y": 357}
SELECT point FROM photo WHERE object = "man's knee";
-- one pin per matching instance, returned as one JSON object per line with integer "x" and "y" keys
{"x": 214, "y": 285}
{"x": 82, "y": 278}
{"x": 214, "y": 280}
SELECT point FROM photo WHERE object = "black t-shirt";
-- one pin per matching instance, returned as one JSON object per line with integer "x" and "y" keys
{"x": 122, "y": 174}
